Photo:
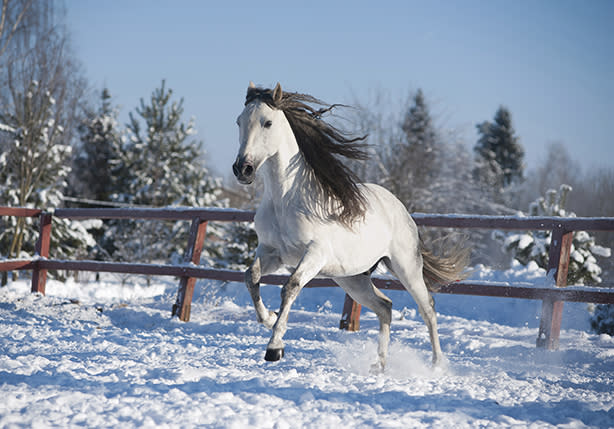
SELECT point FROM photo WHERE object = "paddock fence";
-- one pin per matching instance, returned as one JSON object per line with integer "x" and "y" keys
{"x": 552, "y": 296}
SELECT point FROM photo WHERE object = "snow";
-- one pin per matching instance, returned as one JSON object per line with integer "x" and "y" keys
{"x": 604, "y": 252}
{"x": 107, "y": 354}
{"x": 7, "y": 129}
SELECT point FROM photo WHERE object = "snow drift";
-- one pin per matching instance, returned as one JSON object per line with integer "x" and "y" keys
{"x": 106, "y": 355}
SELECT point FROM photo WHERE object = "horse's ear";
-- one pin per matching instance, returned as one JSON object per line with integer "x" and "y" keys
{"x": 277, "y": 93}
{"x": 251, "y": 85}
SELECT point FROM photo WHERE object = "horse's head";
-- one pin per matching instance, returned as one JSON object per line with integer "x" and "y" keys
{"x": 260, "y": 131}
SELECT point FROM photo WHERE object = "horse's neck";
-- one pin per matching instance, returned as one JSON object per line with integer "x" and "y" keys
{"x": 286, "y": 178}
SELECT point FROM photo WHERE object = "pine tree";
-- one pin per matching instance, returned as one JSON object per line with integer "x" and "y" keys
{"x": 97, "y": 162}
{"x": 499, "y": 154}
{"x": 164, "y": 167}
{"x": 411, "y": 160}
{"x": 421, "y": 140}
{"x": 160, "y": 166}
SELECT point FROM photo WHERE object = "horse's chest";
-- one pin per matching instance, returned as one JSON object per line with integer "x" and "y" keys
{"x": 286, "y": 234}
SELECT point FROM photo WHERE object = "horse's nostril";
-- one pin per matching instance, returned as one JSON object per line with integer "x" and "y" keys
{"x": 248, "y": 170}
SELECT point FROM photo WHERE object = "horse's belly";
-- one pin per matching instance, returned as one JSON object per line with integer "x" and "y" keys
{"x": 344, "y": 252}
{"x": 356, "y": 253}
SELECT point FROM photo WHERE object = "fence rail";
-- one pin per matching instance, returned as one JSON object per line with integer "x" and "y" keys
{"x": 552, "y": 297}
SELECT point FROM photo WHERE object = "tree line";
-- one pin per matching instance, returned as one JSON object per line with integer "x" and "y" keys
{"x": 58, "y": 144}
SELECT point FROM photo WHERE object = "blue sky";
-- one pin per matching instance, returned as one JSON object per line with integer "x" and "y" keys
{"x": 550, "y": 62}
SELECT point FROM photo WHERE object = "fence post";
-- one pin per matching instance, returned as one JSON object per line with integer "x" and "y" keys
{"x": 183, "y": 304}
{"x": 39, "y": 276}
{"x": 552, "y": 310}
{"x": 350, "y": 318}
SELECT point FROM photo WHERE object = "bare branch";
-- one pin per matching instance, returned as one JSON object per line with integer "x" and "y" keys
{"x": 13, "y": 30}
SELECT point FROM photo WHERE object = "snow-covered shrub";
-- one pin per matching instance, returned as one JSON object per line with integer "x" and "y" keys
{"x": 240, "y": 242}
{"x": 602, "y": 319}
{"x": 535, "y": 245}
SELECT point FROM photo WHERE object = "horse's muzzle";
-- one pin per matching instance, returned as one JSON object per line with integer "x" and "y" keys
{"x": 244, "y": 170}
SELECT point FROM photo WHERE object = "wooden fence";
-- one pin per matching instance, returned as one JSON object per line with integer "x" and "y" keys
{"x": 552, "y": 297}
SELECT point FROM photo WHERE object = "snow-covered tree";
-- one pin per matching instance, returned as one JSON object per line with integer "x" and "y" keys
{"x": 499, "y": 154}
{"x": 426, "y": 166}
{"x": 161, "y": 166}
{"x": 410, "y": 162}
{"x": 41, "y": 89}
{"x": 35, "y": 165}
{"x": 97, "y": 163}
{"x": 535, "y": 245}
{"x": 164, "y": 166}
{"x": 33, "y": 157}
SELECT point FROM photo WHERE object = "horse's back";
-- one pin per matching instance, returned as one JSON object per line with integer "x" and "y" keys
{"x": 385, "y": 205}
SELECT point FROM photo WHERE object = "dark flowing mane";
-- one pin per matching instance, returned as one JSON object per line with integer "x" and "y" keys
{"x": 322, "y": 145}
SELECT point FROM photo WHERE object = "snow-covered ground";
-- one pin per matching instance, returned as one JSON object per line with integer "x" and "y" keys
{"x": 99, "y": 354}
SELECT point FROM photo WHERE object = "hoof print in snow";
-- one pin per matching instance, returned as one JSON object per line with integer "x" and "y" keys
{"x": 273, "y": 355}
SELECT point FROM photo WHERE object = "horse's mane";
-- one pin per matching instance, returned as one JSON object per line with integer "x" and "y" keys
{"x": 322, "y": 145}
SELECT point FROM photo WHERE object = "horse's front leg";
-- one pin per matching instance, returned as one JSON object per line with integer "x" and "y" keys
{"x": 266, "y": 262}
{"x": 307, "y": 269}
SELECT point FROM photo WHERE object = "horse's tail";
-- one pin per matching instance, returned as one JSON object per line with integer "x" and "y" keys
{"x": 445, "y": 269}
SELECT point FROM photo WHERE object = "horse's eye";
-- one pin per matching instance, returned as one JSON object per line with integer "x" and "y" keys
{"x": 268, "y": 124}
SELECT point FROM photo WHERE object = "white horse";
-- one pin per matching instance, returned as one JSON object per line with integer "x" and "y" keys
{"x": 317, "y": 220}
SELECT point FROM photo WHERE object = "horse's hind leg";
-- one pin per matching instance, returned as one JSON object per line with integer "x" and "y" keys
{"x": 408, "y": 269}
{"x": 362, "y": 290}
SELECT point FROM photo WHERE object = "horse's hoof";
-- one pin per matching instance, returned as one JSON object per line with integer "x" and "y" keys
{"x": 440, "y": 365}
{"x": 273, "y": 355}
